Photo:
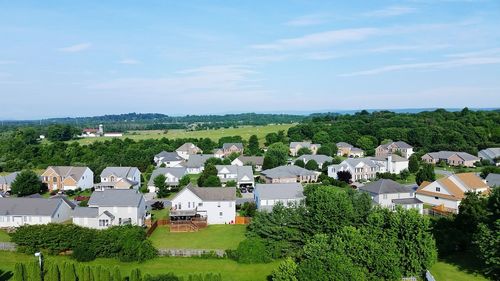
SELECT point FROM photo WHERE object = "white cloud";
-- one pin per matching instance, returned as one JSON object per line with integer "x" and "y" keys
{"x": 391, "y": 48}
{"x": 76, "y": 48}
{"x": 427, "y": 65}
{"x": 391, "y": 11}
{"x": 129, "y": 61}
{"x": 308, "y": 20}
{"x": 488, "y": 52}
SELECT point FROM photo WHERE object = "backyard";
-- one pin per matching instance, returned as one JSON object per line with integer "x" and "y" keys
{"x": 457, "y": 268}
{"x": 213, "y": 237}
{"x": 4, "y": 237}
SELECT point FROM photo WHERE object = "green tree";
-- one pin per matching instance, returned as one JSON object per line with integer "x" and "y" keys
{"x": 426, "y": 173}
{"x": 312, "y": 165}
{"x": 253, "y": 145}
{"x": 26, "y": 183}
{"x": 304, "y": 151}
{"x": 231, "y": 183}
{"x": 404, "y": 174}
{"x": 299, "y": 163}
{"x": 366, "y": 143}
{"x": 413, "y": 164}
{"x": 185, "y": 180}
{"x": 321, "y": 137}
{"x": 161, "y": 186}
{"x": 286, "y": 271}
{"x": 344, "y": 176}
{"x": 327, "y": 149}
{"x": 61, "y": 132}
{"x": 212, "y": 181}
{"x": 276, "y": 155}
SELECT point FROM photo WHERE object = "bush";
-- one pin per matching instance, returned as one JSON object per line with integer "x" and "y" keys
{"x": 251, "y": 250}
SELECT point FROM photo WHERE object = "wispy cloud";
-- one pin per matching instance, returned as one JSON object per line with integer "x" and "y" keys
{"x": 321, "y": 39}
{"x": 4, "y": 62}
{"x": 427, "y": 65}
{"x": 129, "y": 61}
{"x": 76, "y": 48}
{"x": 391, "y": 48}
{"x": 308, "y": 20}
{"x": 391, "y": 11}
{"x": 488, "y": 52}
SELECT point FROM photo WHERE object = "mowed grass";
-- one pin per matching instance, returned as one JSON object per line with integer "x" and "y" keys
{"x": 4, "y": 237}
{"x": 213, "y": 237}
{"x": 244, "y": 131}
{"x": 460, "y": 267}
{"x": 230, "y": 270}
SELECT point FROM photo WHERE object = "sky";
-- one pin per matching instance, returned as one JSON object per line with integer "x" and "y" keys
{"x": 89, "y": 58}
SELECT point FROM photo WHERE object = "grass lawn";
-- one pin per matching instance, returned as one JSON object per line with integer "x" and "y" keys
{"x": 230, "y": 270}
{"x": 160, "y": 214}
{"x": 457, "y": 268}
{"x": 244, "y": 131}
{"x": 213, "y": 237}
{"x": 409, "y": 180}
{"x": 4, "y": 237}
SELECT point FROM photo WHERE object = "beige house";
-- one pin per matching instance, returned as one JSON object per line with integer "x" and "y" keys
{"x": 289, "y": 174}
{"x": 397, "y": 147}
{"x": 229, "y": 148}
{"x": 68, "y": 178}
{"x": 296, "y": 146}
{"x": 347, "y": 150}
{"x": 451, "y": 158}
{"x": 188, "y": 149}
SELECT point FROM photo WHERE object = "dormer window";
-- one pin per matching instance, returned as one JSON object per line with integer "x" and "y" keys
{"x": 438, "y": 189}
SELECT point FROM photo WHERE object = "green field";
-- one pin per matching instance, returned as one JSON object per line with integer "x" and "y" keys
{"x": 230, "y": 270}
{"x": 457, "y": 268}
{"x": 244, "y": 131}
{"x": 213, "y": 237}
{"x": 4, "y": 237}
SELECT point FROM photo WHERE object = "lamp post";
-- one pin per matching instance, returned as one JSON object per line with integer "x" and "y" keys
{"x": 40, "y": 262}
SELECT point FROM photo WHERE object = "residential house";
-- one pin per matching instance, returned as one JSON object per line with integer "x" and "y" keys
{"x": 218, "y": 153}
{"x": 112, "y": 207}
{"x": 347, "y": 150}
{"x": 169, "y": 159}
{"x": 289, "y": 174}
{"x": 493, "y": 180}
{"x": 215, "y": 204}
{"x": 68, "y": 178}
{"x": 451, "y": 158}
{"x": 120, "y": 178}
{"x": 397, "y": 147}
{"x": 296, "y": 146}
{"x": 391, "y": 163}
{"x": 229, "y": 148}
{"x": 6, "y": 181}
{"x": 196, "y": 163}
{"x": 449, "y": 191}
{"x": 361, "y": 169}
{"x": 389, "y": 194}
{"x": 320, "y": 159}
{"x": 255, "y": 161}
{"x": 16, "y": 212}
{"x": 188, "y": 149}
{"x": 242, "y": 175}
{"x": 268, "y": 195}
{"x": 490, "y": 154}
{"x": 172, "y": 176}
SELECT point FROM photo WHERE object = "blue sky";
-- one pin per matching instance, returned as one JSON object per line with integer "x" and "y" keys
{"x": 85, "y": 58}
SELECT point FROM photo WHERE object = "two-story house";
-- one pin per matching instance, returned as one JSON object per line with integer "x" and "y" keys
{"x": 242, "y": 175}
{"x": 255, "y": 161}
{"x": 229, "y": 148}
{"x": 15, "y": 212}
{"x": 289, "y": 174}
{"x": 449, "y": 191}
{"x": 120, "y": 178}
{"x": 6, "y": 181}
{"x": 169, "y": 159}
{"x": 320, "y": 159}
{"x": 347, "y": 150}
{"x": 266, "y": 196}
{"x": 397, "y": 147}
{"x": 215, "y": 204}
{"x": 196, "y": 163}
{"x": 68, "y": 178}
{"x": 389, "y": 194}
{"x": 296, "y": 146}
{"x": 188, "y": 149}
{"x": 452, "y": 158}
{"x": 172, "y": 176}
{"x": 391, "y": 163}
{"x": 361, "y": 169}
{"x": 112, "y": 207}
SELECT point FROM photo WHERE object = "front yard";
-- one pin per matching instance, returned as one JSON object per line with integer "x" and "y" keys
{"x": 213, "y": 237}
{"x": 4, "y": 237}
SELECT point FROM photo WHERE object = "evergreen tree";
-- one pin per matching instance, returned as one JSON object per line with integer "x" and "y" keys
{"x": 161, "y": 186}
{"x": 253, "y": 145}
{"x": 26, "y": 183}
{"x": 312, "y": 165}
{"x": 426, "y": 173}
{"x": 413, "y": 164}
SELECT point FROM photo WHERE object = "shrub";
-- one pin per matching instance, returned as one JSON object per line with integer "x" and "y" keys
{"x": 251, "y": 250}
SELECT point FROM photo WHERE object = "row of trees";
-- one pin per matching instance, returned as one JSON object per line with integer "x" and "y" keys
{"x": 66, "y": 271}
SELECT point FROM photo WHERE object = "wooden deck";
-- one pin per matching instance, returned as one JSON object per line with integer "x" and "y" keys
{"x": 191, "y": 225}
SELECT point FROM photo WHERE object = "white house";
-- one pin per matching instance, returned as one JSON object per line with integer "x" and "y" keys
{"x": 68, "y": 178}
{"x": 320, "y": 159}
{"x": 360, "y": 168}
{"x": 16, "y": 212}
{"x": 449, "y": 191}
{"x": 268, "y": 195}
{"x": 392, "y": 163}
{"x": 242, "y": 175}
{"x": 172, "y": 176}
{"x": 169, "y": 159}
{"x": 196, "y": 163}
{"x": 389, "y": 194}
{"x": 112, "y": 207}
{"x": 401, "y": 147}
{"x": 296, "y": 146}
{"x": 254, "y": 161}
{"x": 216, "y": 204}
{"x": 121, "y": 177}
{"x": 188, "y": 149}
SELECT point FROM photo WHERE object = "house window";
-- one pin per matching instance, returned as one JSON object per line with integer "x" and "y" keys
{"x": 220, "y": 214}
{"x": 438, "y": 189}
{"x": 189, "y": 205}
{"x": 120, "y": 221}
{"x": 103, "y": 223}
{"x": 200, "y": 204}
{"x": 437, "y": 198}
{"x": 54, "y": 179}
{"x": 218, "y": 204}
{"x": 385, "y": 196}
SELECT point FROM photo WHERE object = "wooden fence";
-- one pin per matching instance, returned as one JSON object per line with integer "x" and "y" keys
{"x": 243, "y": 220}
{"x": 151, "y": 228}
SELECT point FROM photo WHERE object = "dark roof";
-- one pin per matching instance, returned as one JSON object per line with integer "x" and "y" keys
{"x": 168, "y": 156}
{"x": 116, "y": 198}
{"x": 214, "y": 193}
{"x": 385, "y": 186}
{"x": 29, "y": 206}
{"x": 493, "y": 179}
{"x": 279, "y": 191}
{"x": 406, "y": 201}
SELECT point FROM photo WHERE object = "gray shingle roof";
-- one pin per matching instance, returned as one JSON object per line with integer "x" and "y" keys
{"x": 355, "y": 161}
{"x": 116, "y": 198}
{"x": 385, "y": 186}
{"x": 279, "y": 191}
{"x": 493, "y": 152}
{"x": 187, "y": 147}
{"x": 69, "y": 171}
{"x": 447, "y": 154}
{"x": 343, "y": 144}
{"x": 240, "y": 171}
{"x": 287, "y": 171}
{"x": 493, "y": 179}
{"x": 406, "y": 201}
{"x": 239, "y": 145}
{"x": 178, "y": 172}
{"x": 198, "y": 160}
{"x": 86, "y": 212}
{"x": 121, "y": 172}
{"x": 8, "y": 179}
{"x": 318, "y": 158}
{"x": 168, "y": 156}
{"x": 29, "y": 206}
{"x": 395, "y": 158}
{"x": 306, "y": 144}
{"x": 214, "y": 193}
{"x": 399, "y": 144}
{"x": 253, "y": 160}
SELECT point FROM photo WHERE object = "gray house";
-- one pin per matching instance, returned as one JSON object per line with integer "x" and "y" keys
{"x": 388, "y": 193}
{"x": 16, "y": 212}
{"x": 493, "y": 180}
{"x": 320, "y": 159}
{"x": 196, "y": 163}
{"x": 242, "y": 175}
{"x": 490, "y": 154}
{"x": 289, "y": 174}
{"x": 268, "y": 195}
{"x": 172, "y": 176}
{"x": 169, "y": 159}
{"x": 6, "y": 181}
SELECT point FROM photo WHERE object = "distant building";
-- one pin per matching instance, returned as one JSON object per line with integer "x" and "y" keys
{"x": 242, "y": 175}
{"x": 451, "y": 158}
{"x": 493, "y": 180}
{"x": 389, "y": 194}
{"x": 397, "y": 147}
{"x": 172, "y": 176}
{"x": 230, "y": 148}
{"x": 268, "y": 195}
{"x": 169, "y": 159}
{"x": 188, "y": 149}
{"x": 254, "y": 161}
{"x": 6, "y": 181}
{"x": 347, "y": 150}
{"x": 491, "y": 155}
{"x": 196, "y": 163}
{"x": 68, "y": 178}
{"x": 320, "y": 159}
{"x": 15, "y": 212}
{"x": 120, "y": 178}
{"x": 296, "y": 146}
{"x": 289, "y": 174}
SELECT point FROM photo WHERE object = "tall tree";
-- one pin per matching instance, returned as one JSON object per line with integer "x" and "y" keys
{"x": 253, "y": 145}
{"x": 276, "y": 155}
{"x": 413, "y": 164}
{"x": 426, "y": 173}
{"x": 26, "y": 183}
{"x": 161, "y": 186}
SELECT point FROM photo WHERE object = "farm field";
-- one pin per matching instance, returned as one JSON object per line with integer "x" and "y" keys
{"x": 213, "y": 237}
{"x": 230, "y": 270}
{"x": 244, "y": 131}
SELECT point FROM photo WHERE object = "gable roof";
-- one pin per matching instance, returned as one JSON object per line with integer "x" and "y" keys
{"x": 287, "y": 172}
{"x": 121, "y": 172}
{"x": 398, "y": 144}
{"x": 240, "y": 171}
{"x": 254, "y": 160}
{"x": 8, "y": 179}
{"x": 86, "y": 212}
{"x": 115, "y": 198}
{"x": 356, "y": 161}
{"x": 187, "y": 147}
{"x": 238, "y": 145}
{"x": 214, "y": 193}
{"x": 344, "y": 144}
{"x": 168, "y": 156}
{"x": 279, "y": 191}
{"x": 69, "y": 171}
{"x": 492, "y": 152}
{"x": 318, "y": 158}
{"x": 469, "y": 182}
{"x": 177, "y": 172}
{"x": 306, "y": 144}
{"x": 197, "y": 160}
{"x": 447, "y": 154}
{"x": 493, "y": 179}
{"x": 394, "y": 158}
{"x": 29, "y": 206}
{"x": 385, "y": 186}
